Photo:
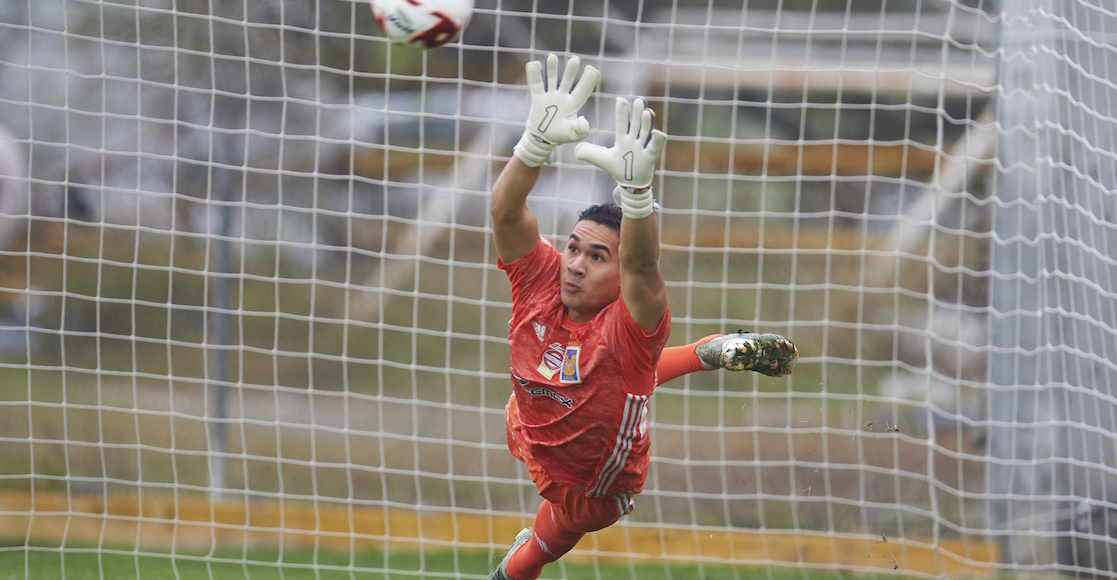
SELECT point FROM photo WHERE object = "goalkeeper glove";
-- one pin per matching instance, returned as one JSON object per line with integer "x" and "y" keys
{"x": 631, "y": 160}
{"x": 553, "y": 101}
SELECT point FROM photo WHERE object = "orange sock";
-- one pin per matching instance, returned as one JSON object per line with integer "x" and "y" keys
{"x": 677, "y": 361}
{"x": 548, "y": 543}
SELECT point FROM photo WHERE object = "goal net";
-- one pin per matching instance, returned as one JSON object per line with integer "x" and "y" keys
{"x": 251, "y": 322}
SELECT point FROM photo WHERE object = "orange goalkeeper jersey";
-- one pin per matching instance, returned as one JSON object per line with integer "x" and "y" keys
{"x": 582, "y": 388}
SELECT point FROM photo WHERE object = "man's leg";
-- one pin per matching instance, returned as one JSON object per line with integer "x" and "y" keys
{"x": 768, "y": 354}
{"x": 549, "y": 541}
{"x": 676, "y": 361}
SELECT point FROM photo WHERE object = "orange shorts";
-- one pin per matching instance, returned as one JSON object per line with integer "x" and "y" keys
{"x": 571, "y": 508}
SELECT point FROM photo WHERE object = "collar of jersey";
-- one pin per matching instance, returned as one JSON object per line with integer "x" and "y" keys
{"x": 570, "y": 324}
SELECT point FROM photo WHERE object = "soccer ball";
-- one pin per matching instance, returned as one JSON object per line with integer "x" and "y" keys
{"x": 423, "y": 23}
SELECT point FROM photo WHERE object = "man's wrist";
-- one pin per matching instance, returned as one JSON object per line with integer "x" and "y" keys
{"x": 636, "y": 203}
{"x": 532, "y": 149}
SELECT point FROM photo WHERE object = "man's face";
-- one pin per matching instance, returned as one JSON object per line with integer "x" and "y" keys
{"x": 591, "y": 271}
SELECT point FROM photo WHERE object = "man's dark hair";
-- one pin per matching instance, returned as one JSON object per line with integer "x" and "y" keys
{"x": 607, "y": 214}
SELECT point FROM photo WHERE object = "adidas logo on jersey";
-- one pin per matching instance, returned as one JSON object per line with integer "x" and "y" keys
{"x": 540, "y": 330}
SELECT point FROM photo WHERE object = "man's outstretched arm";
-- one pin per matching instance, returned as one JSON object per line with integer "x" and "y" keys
{"x": 554, "y": 102}
{"x": 642, "y": 285}
{"x": 515, "y": 229}
{"x": 631, "y": 161}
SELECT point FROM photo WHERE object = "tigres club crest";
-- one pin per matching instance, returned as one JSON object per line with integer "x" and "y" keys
{"x": 552, "y": 360}
{"x": 570, "y": 374}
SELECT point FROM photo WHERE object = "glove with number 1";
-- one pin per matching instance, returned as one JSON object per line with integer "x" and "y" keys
{"x": 631, "y": 161}
{"x": 553, "y": 102}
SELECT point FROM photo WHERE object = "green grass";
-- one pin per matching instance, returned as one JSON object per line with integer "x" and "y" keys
{"x": 50, "y": 563}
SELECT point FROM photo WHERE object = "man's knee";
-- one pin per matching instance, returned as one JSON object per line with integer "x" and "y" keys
{"x": 584, "y": 515}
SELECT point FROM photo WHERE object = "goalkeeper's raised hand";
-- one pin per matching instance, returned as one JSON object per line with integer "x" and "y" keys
{"x": 554, "y": 102}
{"x": 631, "y": 160}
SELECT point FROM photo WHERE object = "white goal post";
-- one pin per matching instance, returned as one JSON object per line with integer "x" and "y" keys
{"x": 250, "y": 317}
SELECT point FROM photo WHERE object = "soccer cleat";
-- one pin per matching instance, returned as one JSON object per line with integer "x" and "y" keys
{"x": 521, "y": 539}
{"x": 768, "y": 354}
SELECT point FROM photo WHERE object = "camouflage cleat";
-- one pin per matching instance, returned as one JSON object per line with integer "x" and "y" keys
{"x": 521, "y": 539}
{"x": 768, "y": 354}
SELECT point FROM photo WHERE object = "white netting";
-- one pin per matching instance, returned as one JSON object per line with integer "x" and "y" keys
{"x": 251, "y": 320}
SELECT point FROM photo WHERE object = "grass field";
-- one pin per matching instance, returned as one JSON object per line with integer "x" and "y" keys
{"x": 85, "y": 563}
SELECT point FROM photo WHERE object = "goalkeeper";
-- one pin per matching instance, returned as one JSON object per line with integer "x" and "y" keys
{"x": 589, "y": 323}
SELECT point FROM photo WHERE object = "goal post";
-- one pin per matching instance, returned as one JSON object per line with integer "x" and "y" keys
{"x": 1051, "y": 468}
{"x": 251, "y": 320}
